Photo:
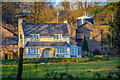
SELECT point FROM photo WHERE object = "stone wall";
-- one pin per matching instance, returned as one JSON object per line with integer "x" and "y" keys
{"x": 94, "y": 42}
{"x": 72, "y": 33}
{"x": 8, "y": 47}
{"x": 10, "y": 50}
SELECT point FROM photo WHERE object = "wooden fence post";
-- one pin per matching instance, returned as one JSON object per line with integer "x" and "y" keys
{"x": 20, "y": 64}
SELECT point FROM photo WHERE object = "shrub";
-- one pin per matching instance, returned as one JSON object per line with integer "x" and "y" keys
{"x": 113, "y": 75}
{"x": 57, "y": 60}
{"x": 85, "y": 46}
{"x": 96, "y": 52}
{"x": 47, "y": 60}
{"x": 99, "y": 57}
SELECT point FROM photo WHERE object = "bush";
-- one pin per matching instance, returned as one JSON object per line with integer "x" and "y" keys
{"x": 99, "y": 57}
{"x": 96, "y": 52}
{"x": 56, "y": 60}
{"x": 46, "y": 60}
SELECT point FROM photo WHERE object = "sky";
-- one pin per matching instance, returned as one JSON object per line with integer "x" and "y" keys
{"x": 102, "y": 3}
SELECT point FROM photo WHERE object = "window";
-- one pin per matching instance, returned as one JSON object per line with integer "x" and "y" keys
{"x": 74, "y": 52}
{"x": 20, "y": 36}
{"x": 34, "y": 37}
{"x": 33, "y": 50}
{"x": 61, "y": 50}
{"x": 57, "y": 37}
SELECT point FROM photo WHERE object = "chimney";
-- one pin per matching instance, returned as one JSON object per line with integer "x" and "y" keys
{"x": 20, "y": 20}
{"x": 20, "y": 24}
{"x": 65, "y": 21}
{"x": 20, "y": 31}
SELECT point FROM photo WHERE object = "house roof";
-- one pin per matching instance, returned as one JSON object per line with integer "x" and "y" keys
{"x": 90, "y": 24}
{"x": 86, "y": 29}
{"x": 10, "y": 31}
{"x": 10, "y": 40}
{"x": 47, "y": 44}
{"x": 45, "y": 29}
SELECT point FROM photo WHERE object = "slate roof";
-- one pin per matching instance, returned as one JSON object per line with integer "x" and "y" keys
{"x": 85, "y": 29}
{"x": 47, "y": 44}
{"x": 90, "y": 24}
{"x": 10, "y": 31}
{"x": 9, "y": 40}
{"x": 45, "y": 29}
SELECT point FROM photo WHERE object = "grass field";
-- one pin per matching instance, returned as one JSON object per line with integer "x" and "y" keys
{"x": 90, "y": 69}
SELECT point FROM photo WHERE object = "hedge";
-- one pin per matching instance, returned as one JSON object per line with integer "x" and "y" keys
{"x": 56, "y": 60}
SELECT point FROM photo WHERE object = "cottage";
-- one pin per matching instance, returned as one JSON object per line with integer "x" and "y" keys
{"x": 9, "y": 43}
{"x": 47, "y": 40}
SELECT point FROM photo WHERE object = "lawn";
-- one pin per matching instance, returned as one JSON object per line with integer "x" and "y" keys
{"x": 92, "y": 69}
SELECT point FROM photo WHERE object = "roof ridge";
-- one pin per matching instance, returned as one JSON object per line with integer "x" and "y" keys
{"x": 44, "y": 23}
{"x": 9, "y": 36}
{"x": 72, "y": 26}
{"x": 46, "y": 41}
{"x": 90, "y": 24}
{"x": 94, "y": 25}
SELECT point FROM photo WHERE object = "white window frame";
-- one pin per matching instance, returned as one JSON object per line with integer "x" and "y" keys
{"x": 33, "y": 51}
{"x": 57, "y": 36}
{"x": 62, "y": 51}
{"x": 74, "y": 51}
{"x": 34, "y": 37}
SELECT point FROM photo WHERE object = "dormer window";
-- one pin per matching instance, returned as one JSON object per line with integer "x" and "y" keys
{"x": 57, "y": 36}
{"x": 34, "y": 37}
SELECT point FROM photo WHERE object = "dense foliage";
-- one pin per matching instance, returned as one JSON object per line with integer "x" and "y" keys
{"x": 9, "y": 13}
{"x": 115, "y": 31}
{"x": 44, "y": 12}
{"x": 56, "y": 60}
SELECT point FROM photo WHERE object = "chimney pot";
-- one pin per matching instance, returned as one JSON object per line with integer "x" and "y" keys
{"x": 20, "y": 20}
{"x": 65, "y": 21}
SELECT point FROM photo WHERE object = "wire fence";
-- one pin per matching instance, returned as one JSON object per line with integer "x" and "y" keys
{"x": 37, "y": 70}
{"x": 43, "y": 70}
{"x": 56, "y": 70}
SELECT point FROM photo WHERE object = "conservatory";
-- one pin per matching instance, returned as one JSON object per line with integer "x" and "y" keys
{"x": 75, "y": 51}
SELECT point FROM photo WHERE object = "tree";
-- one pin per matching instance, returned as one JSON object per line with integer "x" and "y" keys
{"x": 115, "y": 30}
{"x": 66, "y": 6}
{"x": 9, "y": 12}
{"x": 85, "y": 45}
{"x": 65, "y": 13}
{"x": 37, "y": 12}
